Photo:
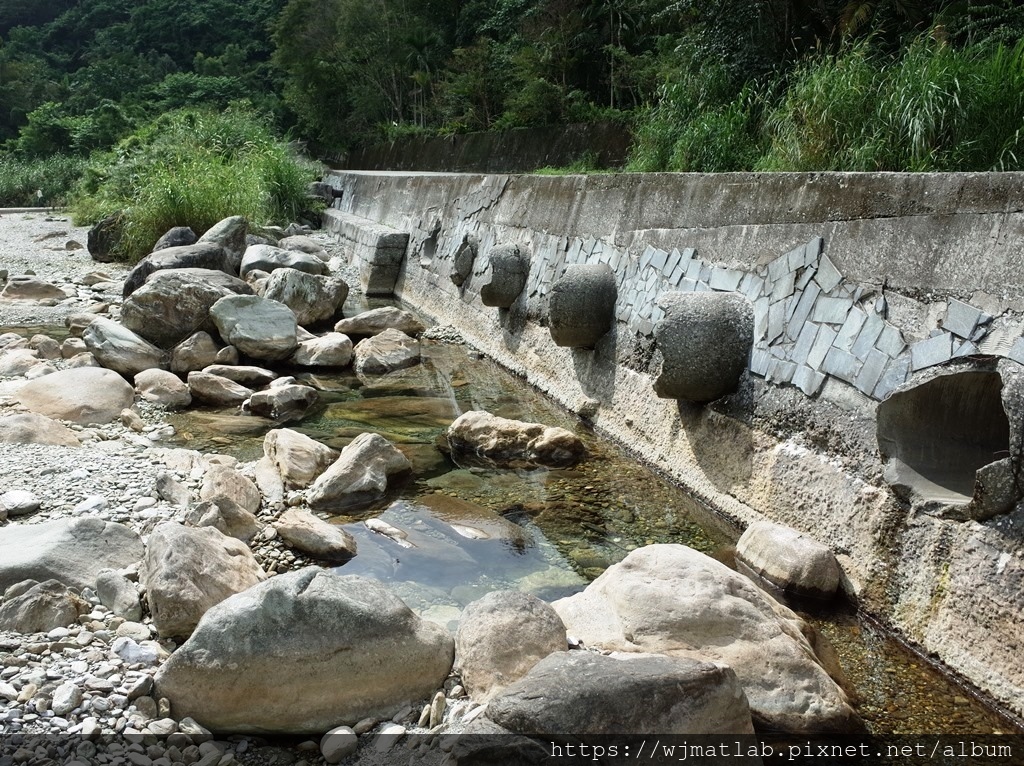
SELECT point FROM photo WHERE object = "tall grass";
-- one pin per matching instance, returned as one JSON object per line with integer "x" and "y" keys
{"x": 38, "y": 182}
{"x": 194, "y": 168}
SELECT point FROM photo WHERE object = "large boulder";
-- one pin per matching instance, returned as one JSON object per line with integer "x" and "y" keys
{"x": 581, "y": 306}
{"x": 119, "y": 349}
{"x": 163, "y": 388}
{"x": 190, "y": 569}
{"x": 73, "y": 551}
{"x": 222, "y": 481}
{"x": 312, "y": 298}
{"x": 500, "y": 637}
{"x": 297, "y": 458}
{"x": 513, "y": 442}
{"x": 178, "y": 236}
{"x": 376, "y": 321}
{"x": 29, "y": 288}
{"x": 386, "y": 352}
{"x": 104, "y": 238}
{"x": 215, "y": 390}
{"x": 243, "y": 374}
{"x": 333, "y": 349}
{"x": 588, "y": 694}
{"x": 228, "y": 233}
{"x": 789, "y": 559}
{"x": 226, "y": 515}
{"x": 257, "y": 327}
{"x": 194, "y": 353}
{"x": 175, "y": 303}
{"x": 315, "y": 537}
{"x": 269, "y": 258}
{"x": 33, "y": 428}
{"x": 84, "y": 395}
{"x": 42, "y": 607}
{"x": 303, "y": 653}
{"x": 506, "y": 268}
{"x": 202, "y": 255}
{"x": 359, "y": 475}
{"x": 671, "y": 599}
{"x": 283, "y": 403}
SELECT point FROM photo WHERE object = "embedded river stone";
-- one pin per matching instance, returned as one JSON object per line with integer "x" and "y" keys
{"x": 302, "y": 653}
{"x": 202, "y": 255}
{"x": 705, "y": 341}
{"x": 789, "y": 559}
{"x": 378, "y": 320}
{"x": 312, "y": 298}
{"x": 311, "y": 535}
{"x": 673, "y": 600}
{"x": 500, "y": 637}
{"x": 386, "y": 352}
{"x": 73, "y": 551}
{"x": 589, "y": 694}
{"x": 513, "y": 442}
{"x": 333, "y": 349}
{"x": 86, "y": 395}
{"x": 509, "y": 267}
{"x": 462, "y": 261}
{"x": 359, "y": 475}
{"x": 581, "y": 307}
{"x": 296, "y": 457}
{"x": 257, "y": 327}
{"x": 282, "y": 403}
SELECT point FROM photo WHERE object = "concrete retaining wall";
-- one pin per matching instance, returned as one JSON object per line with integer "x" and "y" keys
{"x": 859, "y": 283}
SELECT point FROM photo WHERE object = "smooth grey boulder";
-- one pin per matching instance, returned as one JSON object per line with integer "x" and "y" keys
{"x": 296, "y": 457}
{"x": 33, "y": 428}
{"x": 29, "y": 288}
{"x": 179, "y": 236}
{"x": 376, "y": 321}
{"x": 588, "y": 694}
{"x": 269, "y": 258}
{"x": 312, "y": 298}
{"x": 501, "y": 637}
{"x": 386, "y": 352}
{"x": 673, "y": 600}
{"x": 333, "y": 349}
{"x": 215, "y": 390}
{"x": 581, "y": 306}
{"x": 202, "y": 255}
{"x": 119, "y": 595}
{"x": 283, "y": 403}
{"x": 508, "y": 267}
{"x": 42, "y": 607}
{"x": 705, "y": 341}
{"x": 259, "y": 328}
{"x": 359, "y": 475}
{"x": 222, "y": 481}
{"x": 224, "y": 514}
{"x": 18, "y": 502}
{"x": 175, "y": 303}
{"x": 315, "y": 537}
{"x": 162, "y": 387}
{"x": 190, "y": 569}
{"x": 87, "y": 395}
{"x": 243, "y": 374}
{"x": 304, "y": 244}
{"x": 462, "y": 261}
{"x": 344, "y": 648}
{"x": 194, "y": 353}
{"x": 119, "y": 349}
{"x": 228, "y": 233}
{"x": 513, "y": 443}
{"x": 788, "y": 559}
{"x": 72, "y": 551}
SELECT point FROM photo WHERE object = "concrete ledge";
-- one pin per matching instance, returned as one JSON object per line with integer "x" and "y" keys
{"x": 377, "y": 249}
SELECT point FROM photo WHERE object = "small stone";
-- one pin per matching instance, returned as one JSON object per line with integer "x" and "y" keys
{"x": 66, "y": 698}
{"x": 338, "y": 744}
{"x": 388, "y": 737}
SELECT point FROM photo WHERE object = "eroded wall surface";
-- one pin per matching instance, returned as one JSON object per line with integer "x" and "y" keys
{"x": 861, "y": 285}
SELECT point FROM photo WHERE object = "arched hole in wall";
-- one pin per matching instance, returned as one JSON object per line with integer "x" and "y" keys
{"x": 428, "y": 248}
{"x": 942, "y": 431}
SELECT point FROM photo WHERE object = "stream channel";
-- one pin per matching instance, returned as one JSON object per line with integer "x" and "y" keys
{"x": 549, "y": 531}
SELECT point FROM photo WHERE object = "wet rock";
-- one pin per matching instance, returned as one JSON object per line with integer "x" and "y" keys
{"x": 202, "y": 255}
{"x": 246, "y": 375}
{"x": 512, "y": 442}
{"x": 581, "y": 306}
{"x": 330, "y": 350}
{"x": 705, "y": 341}
{"x": 283, "y": 403}
{"x": 86, "y": 395}
{"x": 376, "y": 321}
{"x": 32, "y": 428}
{"x": 41, "y": 607}
{"x": 163, "y": 388}
{"x": 322, "y": 627}
{"x": 118, "y": 348}
{"x": 229, "y": 234}
{"x": 226, "y": 515}
{"x": 508, "y": 267}
{"x": 119, "y": 595}
{"x": 789, "y": 559}
{"x": 173, "y": 304}
{"x": 27, "y": 288}
{"x": 257, "y": 327}
{"x": 269, "y": 258}
{"x": 359, "y": 475}
{"x": 297, "y": 458}
{"x": 386, "y": 352}
{"x": 311, "y": 535}
{"x": 221, "y": 481}
{"x": 500, "y": 637}
{"x": 73, "y": 551}
{"x": 312, "y": 298}
{"x": 215, "y": 390}
{"x": 674, "y": 600}
{"x": 188, "y": 570}
{"x": 194, "y": 353}
{"x": 179, "y": 236}
{"x": 590, "y": 694}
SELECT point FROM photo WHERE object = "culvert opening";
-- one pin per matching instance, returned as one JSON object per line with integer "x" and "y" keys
{"x": 942, "y": 431}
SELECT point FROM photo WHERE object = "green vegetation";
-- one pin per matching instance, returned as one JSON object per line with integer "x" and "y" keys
{"x": 38, "y": 182}
{"x": 193, "y": 168}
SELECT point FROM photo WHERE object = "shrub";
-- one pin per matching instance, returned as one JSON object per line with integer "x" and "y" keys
{"x": 38, "y": 182}
{"x": 194, "y": 168}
